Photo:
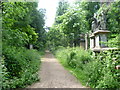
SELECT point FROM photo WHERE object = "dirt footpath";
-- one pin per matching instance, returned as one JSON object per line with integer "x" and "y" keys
{"x": 53, "y": 75}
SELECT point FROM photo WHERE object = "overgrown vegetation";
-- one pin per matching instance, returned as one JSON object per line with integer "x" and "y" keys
{"x": 96, "y": 71}
{"x": 23, "y": 25}
{"x": 113, "y": 24}
{"x": 70, "y": 22}
{"x": 74, "y": 20}
{"x": 21, "y": 28}
{"x": 20, "y": 67}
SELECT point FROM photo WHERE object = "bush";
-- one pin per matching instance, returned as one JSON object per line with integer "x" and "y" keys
{"x": 96, "y": 71}
{"x": 101, "y": 72}
{"x": 21, "y": 66}
{"x": 75, "y": 57}
{"x": 109, "y": 75}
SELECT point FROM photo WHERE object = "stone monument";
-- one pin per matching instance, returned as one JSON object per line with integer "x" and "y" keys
{"x": 31, "y": 46}
{"x": 102, "y": 20}
{"x": 94, "y": 23}
{"x": 98, "y": 38}
{"x": 82, "y": 41}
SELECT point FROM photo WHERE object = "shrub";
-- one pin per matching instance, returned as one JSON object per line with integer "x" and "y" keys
{"x": 82, "y": 57}
{"x": 21, "y": 66}
{"x": 75, "y": 57}
{"x": 101, "y": 72}
{"x": 96, "y": 71}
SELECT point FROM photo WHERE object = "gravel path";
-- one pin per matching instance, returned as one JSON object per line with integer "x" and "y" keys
{"x": 53, "y": 75}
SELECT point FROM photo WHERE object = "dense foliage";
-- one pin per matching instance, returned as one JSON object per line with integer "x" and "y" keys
{"x": 16, "y": 24}
{"x": 91, "y": 8}
{"x": 38, "y": 23}
{"x": 20, "y": 25}
{"x": 23, "y": 25}
{"x": 114, "y": 24}
{"x": 96, "y": 71}
{"x": 20, "y": 67}
{"x": 61, "y": 9}
{"x": 70, "y": 23}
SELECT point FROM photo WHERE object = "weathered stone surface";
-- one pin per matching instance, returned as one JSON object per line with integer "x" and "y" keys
{"x": 91, "y": 43}
{"x": 98, "y": 39}
{"x": 118, "y": 67}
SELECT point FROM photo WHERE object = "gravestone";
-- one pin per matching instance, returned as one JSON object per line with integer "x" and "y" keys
{"x": 86, "y": 41}
{"x": 82, "y": 41}
{"x": 31, "y": 46}
{"x": 92, "y": 41}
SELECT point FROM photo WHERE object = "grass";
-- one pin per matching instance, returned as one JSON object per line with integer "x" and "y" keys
{"x": 76, "y": 72}
{"x": 92, "y": 71}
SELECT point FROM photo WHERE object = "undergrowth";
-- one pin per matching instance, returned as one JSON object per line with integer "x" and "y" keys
{"x": 95, "y": 71}
{"x": 19, "y": 67}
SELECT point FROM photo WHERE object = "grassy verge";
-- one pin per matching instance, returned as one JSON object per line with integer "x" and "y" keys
{"x": 92, "y": 71}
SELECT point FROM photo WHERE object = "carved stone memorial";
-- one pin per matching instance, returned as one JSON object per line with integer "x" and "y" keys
{"x": 98, "y": 38}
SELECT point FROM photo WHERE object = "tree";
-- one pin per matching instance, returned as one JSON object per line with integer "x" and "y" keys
{"x": 56, "y": 38}
{"x": 22, "y": 24}
{"x": 113, "y": 24}
{"x": 91, "y": 8}
{"x": 38, "y": 23}
{"x": 61, "y": 9}
{"x": 16, "y": 23}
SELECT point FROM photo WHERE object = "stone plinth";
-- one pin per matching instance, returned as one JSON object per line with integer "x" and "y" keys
{"x": 104, "y": 49}
{"x": 98, "y": 39}
{"x": 101, "y": 38}
{"x": 101, "y": 31}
